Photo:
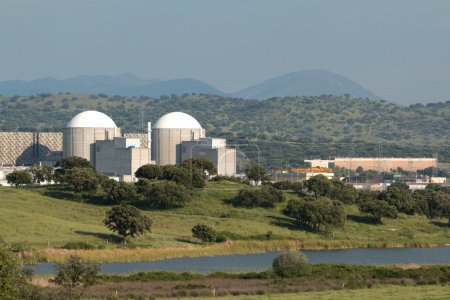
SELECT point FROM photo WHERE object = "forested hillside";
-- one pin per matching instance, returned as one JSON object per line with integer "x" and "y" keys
{"x": 282, "y": 130}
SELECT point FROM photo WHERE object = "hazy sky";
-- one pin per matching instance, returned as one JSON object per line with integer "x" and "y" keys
{"x": 398, "y": 49}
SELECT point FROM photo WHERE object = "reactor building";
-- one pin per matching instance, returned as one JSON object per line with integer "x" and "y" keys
{"x": 93, "y": 135}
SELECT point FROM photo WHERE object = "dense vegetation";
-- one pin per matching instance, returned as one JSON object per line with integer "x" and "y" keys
{"x": 280, "y": 130}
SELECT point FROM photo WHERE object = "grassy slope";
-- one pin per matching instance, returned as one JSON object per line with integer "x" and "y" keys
{"x": 379, "y": 292}
{"x": 28, "y": 216}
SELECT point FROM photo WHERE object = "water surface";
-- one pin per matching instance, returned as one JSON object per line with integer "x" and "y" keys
{"x": 263, "y": 261}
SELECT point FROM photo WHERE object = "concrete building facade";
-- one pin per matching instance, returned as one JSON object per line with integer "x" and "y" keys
{"x": 120, "y": 157}
{"x": 214, "y": 149}
{"x": 384, "y": 164}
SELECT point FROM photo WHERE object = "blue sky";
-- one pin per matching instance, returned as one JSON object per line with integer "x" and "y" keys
{"x": 399, "y": 49}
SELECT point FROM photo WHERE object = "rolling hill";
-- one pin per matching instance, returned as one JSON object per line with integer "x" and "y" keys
{"x": 279, "y": 131}
{"x": 306, "y": 83}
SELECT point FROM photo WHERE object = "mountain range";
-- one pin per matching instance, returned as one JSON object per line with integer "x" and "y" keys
{"x": 304, "y": 83}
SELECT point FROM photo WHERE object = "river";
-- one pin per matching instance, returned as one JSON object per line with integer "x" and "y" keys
{"x": 263, "y": 261}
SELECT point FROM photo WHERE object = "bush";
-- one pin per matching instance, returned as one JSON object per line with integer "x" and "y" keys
{"x": 292, "y": 264}
{"x": 378, "y": 209}
{"x": 127, "y": 221}
{"x": 74, "y": 274}
{"x": 318, "y": 214}
{"x": 149, "y": 172}
{"x": 166, "y": 195}
{"x": 18, "y": 178}
{"x": 14, "y": 279}
{"x": 204, "y": 233}
{"x": 78, "y": 245}
{"x": 266, "y": 196}
{"x": 399, "y": 197}
{"x": 117, "y": 192}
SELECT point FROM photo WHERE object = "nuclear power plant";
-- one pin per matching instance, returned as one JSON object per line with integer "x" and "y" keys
{"x": 94, "y": 136}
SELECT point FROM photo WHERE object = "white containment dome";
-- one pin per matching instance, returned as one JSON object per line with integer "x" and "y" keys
{"x": 91, "y": 119}
{"x": 168, "y": 133}
{"x": 177, "y": 120}
{"x": 83, "y": 130}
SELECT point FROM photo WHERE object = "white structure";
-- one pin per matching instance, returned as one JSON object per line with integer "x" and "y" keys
{"x": 84, "y": 130}
{"x": 120, "y": 157}
{"x": 168, "y": 133}
{"x": 214, "y": 149}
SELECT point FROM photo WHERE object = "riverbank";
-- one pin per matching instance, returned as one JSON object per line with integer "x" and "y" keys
{"x": 154, "y": 254}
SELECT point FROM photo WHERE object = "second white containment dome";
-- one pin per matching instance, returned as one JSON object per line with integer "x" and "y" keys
{"x": 168, "y": 133}
{"x": 91, "y": 119}
{"x": 177, "y": 120}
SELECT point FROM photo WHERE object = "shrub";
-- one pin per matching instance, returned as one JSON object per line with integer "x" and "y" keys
{"x": 14, "y": 279}
{"x": 204, "y": 233}
{"x": 166, "y": 195}
{"x": 399, "y": 197}
{"x": 318, "y": 214}
{"x": 266, "y": 196}
{"x": 378, "y": 209}
{"x": 116, "y": 192}
{"x": 291, "y": 264}
{"x": 149, "y": 172}
{"x": 127, "y": 221}
{"x": 78, "y": 245}
{"x": 18, "y": 178}
{"x": 73, "y": 274}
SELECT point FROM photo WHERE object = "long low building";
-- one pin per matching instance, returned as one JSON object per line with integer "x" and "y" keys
{"x": 384, "y": 164}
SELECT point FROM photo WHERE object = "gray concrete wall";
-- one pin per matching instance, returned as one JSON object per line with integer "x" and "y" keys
{"x": 29, "y": 148}
{"x": 223, "y": 158}
{"x": 166, "y": 144}
{"x": 114, "y": 161}
{"x": 81, "y": 141}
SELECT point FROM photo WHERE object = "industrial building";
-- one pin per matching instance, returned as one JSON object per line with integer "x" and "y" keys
{"x": 380, "y": 164}
{"x": 94, "y": 136}
{"x": 385, "y": 164}
{"x": 214, "y": 149}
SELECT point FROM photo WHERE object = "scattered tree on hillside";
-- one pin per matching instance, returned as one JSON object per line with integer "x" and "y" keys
{"x": 318, "y": 214}
{"x": 127, "y": 221}
{"x": 266, "y": 196}
{"x": 204, "y": 233}
{"x": 72, "y": 162}
{"x": 117, "y": 192}
{"x": 319, "y": 185}
{"x": 378, "y": 209}
{"x": 166, "y": 194}
{"x": 399, "y": 197}
{"x": 18, "y": 178}
{"x": 204, "y": 165}
{"x": 82, "y": 180}
{"x": 41, "y": 173}
{"x": 256, "y": 173}
{"x": 150, "y": 172}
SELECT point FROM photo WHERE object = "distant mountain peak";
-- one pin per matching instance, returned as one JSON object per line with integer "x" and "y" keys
{"x": 306, "y": 83}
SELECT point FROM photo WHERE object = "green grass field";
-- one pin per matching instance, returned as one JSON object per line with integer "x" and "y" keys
{"x": 30, "y": 216}
{"x": 379, "y": 292}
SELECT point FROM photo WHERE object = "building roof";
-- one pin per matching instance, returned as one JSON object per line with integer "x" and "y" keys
{"x": 91, "y": 119}
{"x": 177, "y": 120}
